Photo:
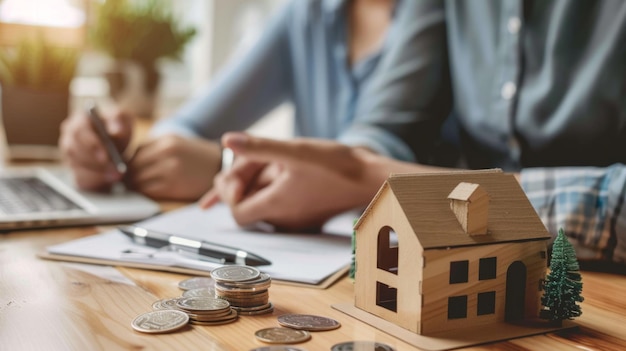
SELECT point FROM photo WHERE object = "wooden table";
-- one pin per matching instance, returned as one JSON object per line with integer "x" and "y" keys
{"x": 49, "y": 305}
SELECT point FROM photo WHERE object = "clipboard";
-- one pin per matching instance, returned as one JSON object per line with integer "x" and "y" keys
{"x": 313, "y": 260}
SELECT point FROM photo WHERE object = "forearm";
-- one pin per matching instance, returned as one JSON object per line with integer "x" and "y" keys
{"x": 587, "y": 203}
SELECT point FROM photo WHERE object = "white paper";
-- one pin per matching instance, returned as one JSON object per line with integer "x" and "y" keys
{"x": 297, "y": 257}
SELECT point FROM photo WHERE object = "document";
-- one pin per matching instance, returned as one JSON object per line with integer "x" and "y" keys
{"x": 311, "y": 258}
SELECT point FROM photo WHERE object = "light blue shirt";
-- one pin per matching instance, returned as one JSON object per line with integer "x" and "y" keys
{"x": 539, "y": 87}
{"x": 302, "y": 57}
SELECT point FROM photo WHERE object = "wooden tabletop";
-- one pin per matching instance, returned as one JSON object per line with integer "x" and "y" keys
{"x": 50, "y": 305}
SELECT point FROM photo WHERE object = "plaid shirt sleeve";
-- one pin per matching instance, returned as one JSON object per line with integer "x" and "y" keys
{"x": 587, "y": 202}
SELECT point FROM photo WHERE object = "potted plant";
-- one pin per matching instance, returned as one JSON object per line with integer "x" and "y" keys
{"x": 35, "y": 79}
{"x": 137, "y": 35}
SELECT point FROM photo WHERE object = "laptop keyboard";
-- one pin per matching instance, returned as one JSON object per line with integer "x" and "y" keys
{"x": 28, "y": 195}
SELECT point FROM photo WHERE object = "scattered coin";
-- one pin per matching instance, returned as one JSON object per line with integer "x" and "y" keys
{"x": 196, "y": 283}
{"x": 308, "y": 322}
{"x": 235, "y": 273}
{"x": 361, "y": 346}
{"x": 277, "y": 348}
{"x": 160, "y": 321}
{"x": 279, "y": 335}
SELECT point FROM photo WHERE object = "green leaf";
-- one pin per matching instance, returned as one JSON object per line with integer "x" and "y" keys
{"x": 36, "y": 65}
{"x": 139, "y": 31}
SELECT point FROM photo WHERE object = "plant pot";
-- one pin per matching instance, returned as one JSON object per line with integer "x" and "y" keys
{"x": 32, "y": 120}
{"x": 134, "y": 88}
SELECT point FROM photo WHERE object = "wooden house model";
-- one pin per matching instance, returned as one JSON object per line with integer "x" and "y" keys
{"x": 443, "y": 252}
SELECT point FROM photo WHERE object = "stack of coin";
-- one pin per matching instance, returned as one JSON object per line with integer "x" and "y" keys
{"x": 203, "y": 310}
{"x": 244, "y": 287}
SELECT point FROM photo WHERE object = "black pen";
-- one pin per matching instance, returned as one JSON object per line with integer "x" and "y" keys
{"x": 227, "y": 254}
{"x": 98, "y": 125}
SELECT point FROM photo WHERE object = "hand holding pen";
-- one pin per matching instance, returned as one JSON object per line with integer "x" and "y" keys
{"x": 84, "y": 150}
{"x": 114, "y": 155}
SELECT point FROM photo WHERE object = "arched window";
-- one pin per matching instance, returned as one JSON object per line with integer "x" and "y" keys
{"x": 387, "y": 250}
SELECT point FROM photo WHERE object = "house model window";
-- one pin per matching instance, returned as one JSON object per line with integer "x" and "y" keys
{"x": 487, "y": 268}
{"x": 459, "y": 272}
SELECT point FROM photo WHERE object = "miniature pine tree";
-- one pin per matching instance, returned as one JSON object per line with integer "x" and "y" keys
{"x": 352, "y": 271}
{"x": 563, "y": 285}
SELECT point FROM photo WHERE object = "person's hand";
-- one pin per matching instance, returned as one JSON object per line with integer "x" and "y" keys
{"x": 174, "y": 168}
{"x": 296, "y": 184}
{"x": 85, "y": 154}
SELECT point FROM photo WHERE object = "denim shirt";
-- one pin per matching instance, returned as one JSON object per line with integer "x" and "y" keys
{"x": 302, "y": 57}
{"x": 539, "y": 83}
{"x": 540, "y": 86}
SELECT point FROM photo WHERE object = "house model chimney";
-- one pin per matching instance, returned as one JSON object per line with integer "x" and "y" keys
{"x": 470, "y": 204}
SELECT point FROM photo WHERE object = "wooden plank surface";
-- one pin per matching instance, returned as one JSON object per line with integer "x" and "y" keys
{"x": 48, "y": 305}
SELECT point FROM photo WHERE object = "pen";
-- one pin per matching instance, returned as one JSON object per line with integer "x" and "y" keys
{"x": 226, "y": 254}
{"x": 115, "y": 156}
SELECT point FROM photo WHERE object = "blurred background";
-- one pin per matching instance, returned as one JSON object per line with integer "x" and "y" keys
{"x": 147, "y": 55}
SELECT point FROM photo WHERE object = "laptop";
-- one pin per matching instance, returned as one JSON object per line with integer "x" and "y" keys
{"x": 37, "y": 197}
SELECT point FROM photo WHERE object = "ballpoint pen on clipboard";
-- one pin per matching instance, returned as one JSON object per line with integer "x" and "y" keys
{"x": 212, "y": 251}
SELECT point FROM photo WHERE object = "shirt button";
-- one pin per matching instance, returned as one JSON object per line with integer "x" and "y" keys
{"x": 514, "y": 24}
{"x": 508, "y": 90}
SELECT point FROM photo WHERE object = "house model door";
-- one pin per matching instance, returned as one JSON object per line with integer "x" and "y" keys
{"x": 515, "y": 292}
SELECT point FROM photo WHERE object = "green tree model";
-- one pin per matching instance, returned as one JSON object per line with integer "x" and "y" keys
{"x": 352, "y": 271}
{"x": 564, "y": 284}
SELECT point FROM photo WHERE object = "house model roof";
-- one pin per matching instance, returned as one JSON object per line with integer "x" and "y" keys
{"x": 424, "y": 200}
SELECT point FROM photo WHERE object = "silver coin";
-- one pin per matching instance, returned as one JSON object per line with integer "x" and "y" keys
{"x": 209, "y": 318}
{"x": 240, "y": 289}
{"x": 212, "y": 323}
{"x": 278, "y": 348}
{"x": 212, "y": 317}
{"x": 361, "y": 346}
{"x": 161, "y": 321}
{"x": 165, "y": 304}
{"x": 262, "y": 280}
{"x": 201, "y": 303}
{"x": 235, "y": 273}
{"x": 282, "y": 335}
{"x": 308, "y": 322}
{"x": 196, "y": 283}
{"x": 253, "y": 308}
{"x": 208, "y": 292}
{"x": 266, "y": 310}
